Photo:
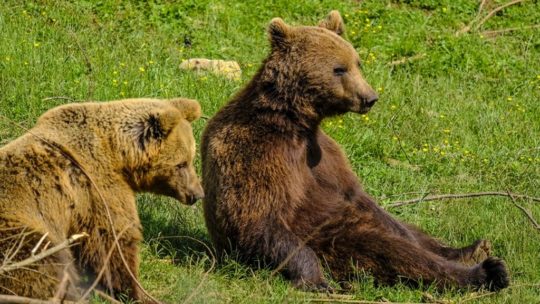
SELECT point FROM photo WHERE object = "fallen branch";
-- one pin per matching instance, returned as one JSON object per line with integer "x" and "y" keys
{"x": 59, "y": 97}
{"x": 338, "y": 300}
{"x": 23, "y": 300}
{"x": 459, "y": 196}
{"x": 468, "y": 27}
{"x": 407, "y": 59}
{"x": 525, "y": 211}
{"x": 496, "y": 10}
{"x": 511, "y": 29}
{"x": 65, "y": 244}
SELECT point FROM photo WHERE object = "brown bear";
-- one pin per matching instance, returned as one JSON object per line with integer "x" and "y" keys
{"x": 77, "y": 171}
{"x": 278, "y": 189}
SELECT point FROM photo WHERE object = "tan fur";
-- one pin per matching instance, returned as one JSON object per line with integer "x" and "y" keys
{"x": 51, "y": 179}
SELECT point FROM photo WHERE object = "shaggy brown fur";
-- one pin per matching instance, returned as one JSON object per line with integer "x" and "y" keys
{"x": 279, "y": 189}
{"x": 47, "y": 186}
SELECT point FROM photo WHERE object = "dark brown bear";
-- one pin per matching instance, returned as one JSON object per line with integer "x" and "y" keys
{"x": 279, "y": 189}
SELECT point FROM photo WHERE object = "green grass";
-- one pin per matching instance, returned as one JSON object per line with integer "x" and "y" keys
{"x": 464, "y": 117}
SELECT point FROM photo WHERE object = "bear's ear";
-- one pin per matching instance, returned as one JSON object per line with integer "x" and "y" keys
{"x": 190, "y": 108}
{"x": 278, "y": 32}
{"x": 155, "y": 126}
{"x": 334, "y": 23}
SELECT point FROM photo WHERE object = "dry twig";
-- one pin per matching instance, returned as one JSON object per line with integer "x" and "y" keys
{"x": 525, "y": 211}
{"x": 458, "y": 196}
{"x": 511, "y": 29}
{"x": 489, "y": 15}
{"x": 65, "y": 244}
{"x": 496, "y": 10}
{"x": 23, "y": 300}
{"x": 407, "y": 59}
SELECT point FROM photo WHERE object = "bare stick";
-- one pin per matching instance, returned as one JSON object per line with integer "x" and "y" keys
{"x": 62, "y": 287}
{"x": 23, "y": 300}
{"x": 511, "y": 29}
{"x": 407, "y": 59}
{"x": 337, "y": 300}
{"x": 496, "y": 10}
{"x": 88, "y": 63}
{"x": 59, "y": 97}
{"x": 482, "y": 4}
{"x": 36, "y": 248}
{"x": 525, "y": 211}
{"x": 458, "y": 196}
{"x": 107, "y": 297}
{"x": 65, "y": 244}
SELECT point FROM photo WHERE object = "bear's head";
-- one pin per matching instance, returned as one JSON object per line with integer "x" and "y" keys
{"x": 315, "y": 66}
{"x": 163, "y": 149}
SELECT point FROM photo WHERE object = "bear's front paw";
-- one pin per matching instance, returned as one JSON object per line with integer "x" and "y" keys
{"x": 480, "y": 251}
{"x": 321, "y": 286}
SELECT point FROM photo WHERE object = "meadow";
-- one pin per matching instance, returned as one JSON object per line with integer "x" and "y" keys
{"x": 459, "y": 112}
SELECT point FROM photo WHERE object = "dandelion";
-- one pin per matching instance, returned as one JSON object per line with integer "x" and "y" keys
{"x": 446, "y": 131}
{"x": 115, "y": 72}
{"x": 123, "y": 64}
{"x": 481, "y": 36}
{"x": 8, "y": 58}
{"x": 442, "y": 116}
{"x": 485, "y": 160}
{"x": 37, "y": 44}
{"x": 346, "y": 15}
{"x": 379, "y": 27}
{"x": 353, "y": 33}
{"x": 425, "y": 149}
{"x": 24, "y": 12}
{"x": 395, "y": 138}
{"x": 443, "y": 153}
{"x": 393, "y": 107}
{"x": 444, "y": 9}
{"x": 250, "y": 65}
{"x": 125, "y": 82}
{"x": 141, "y": 69}
{"x": 43, "y": 13}
{"x": 509, "y": 98}
{"x": 26, "y": 63}
{"x": 122, "y": 93}
{"x": 151, "y": 62}
{"x": 380, "y": 89}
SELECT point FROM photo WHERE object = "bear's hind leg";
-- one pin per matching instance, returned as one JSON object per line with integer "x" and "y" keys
{"x": 468, "y": 255}
{"x": 389, "y": 257}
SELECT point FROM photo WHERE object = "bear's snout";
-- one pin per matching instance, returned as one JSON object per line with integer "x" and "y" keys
{"x": 370, "y": 100}
{"x": 194, "y": 194}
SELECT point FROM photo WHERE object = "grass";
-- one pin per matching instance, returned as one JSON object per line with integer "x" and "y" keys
{"x": 463, "y": 116}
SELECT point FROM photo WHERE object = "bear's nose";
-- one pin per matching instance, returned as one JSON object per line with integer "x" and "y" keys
{"x": 371, "y": 100}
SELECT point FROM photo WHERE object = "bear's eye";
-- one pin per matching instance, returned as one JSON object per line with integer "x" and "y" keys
{"x": 340, "y": 71}
{"x": 181, "y": 165}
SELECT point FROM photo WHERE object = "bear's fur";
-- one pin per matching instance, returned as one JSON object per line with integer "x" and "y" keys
{"x": 77, "y": 171}
{"x": 279, "y": 189}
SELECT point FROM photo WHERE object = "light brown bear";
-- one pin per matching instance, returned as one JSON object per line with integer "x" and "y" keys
{"x": 77, "y": 171}
{"x": 279, "y": 189}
